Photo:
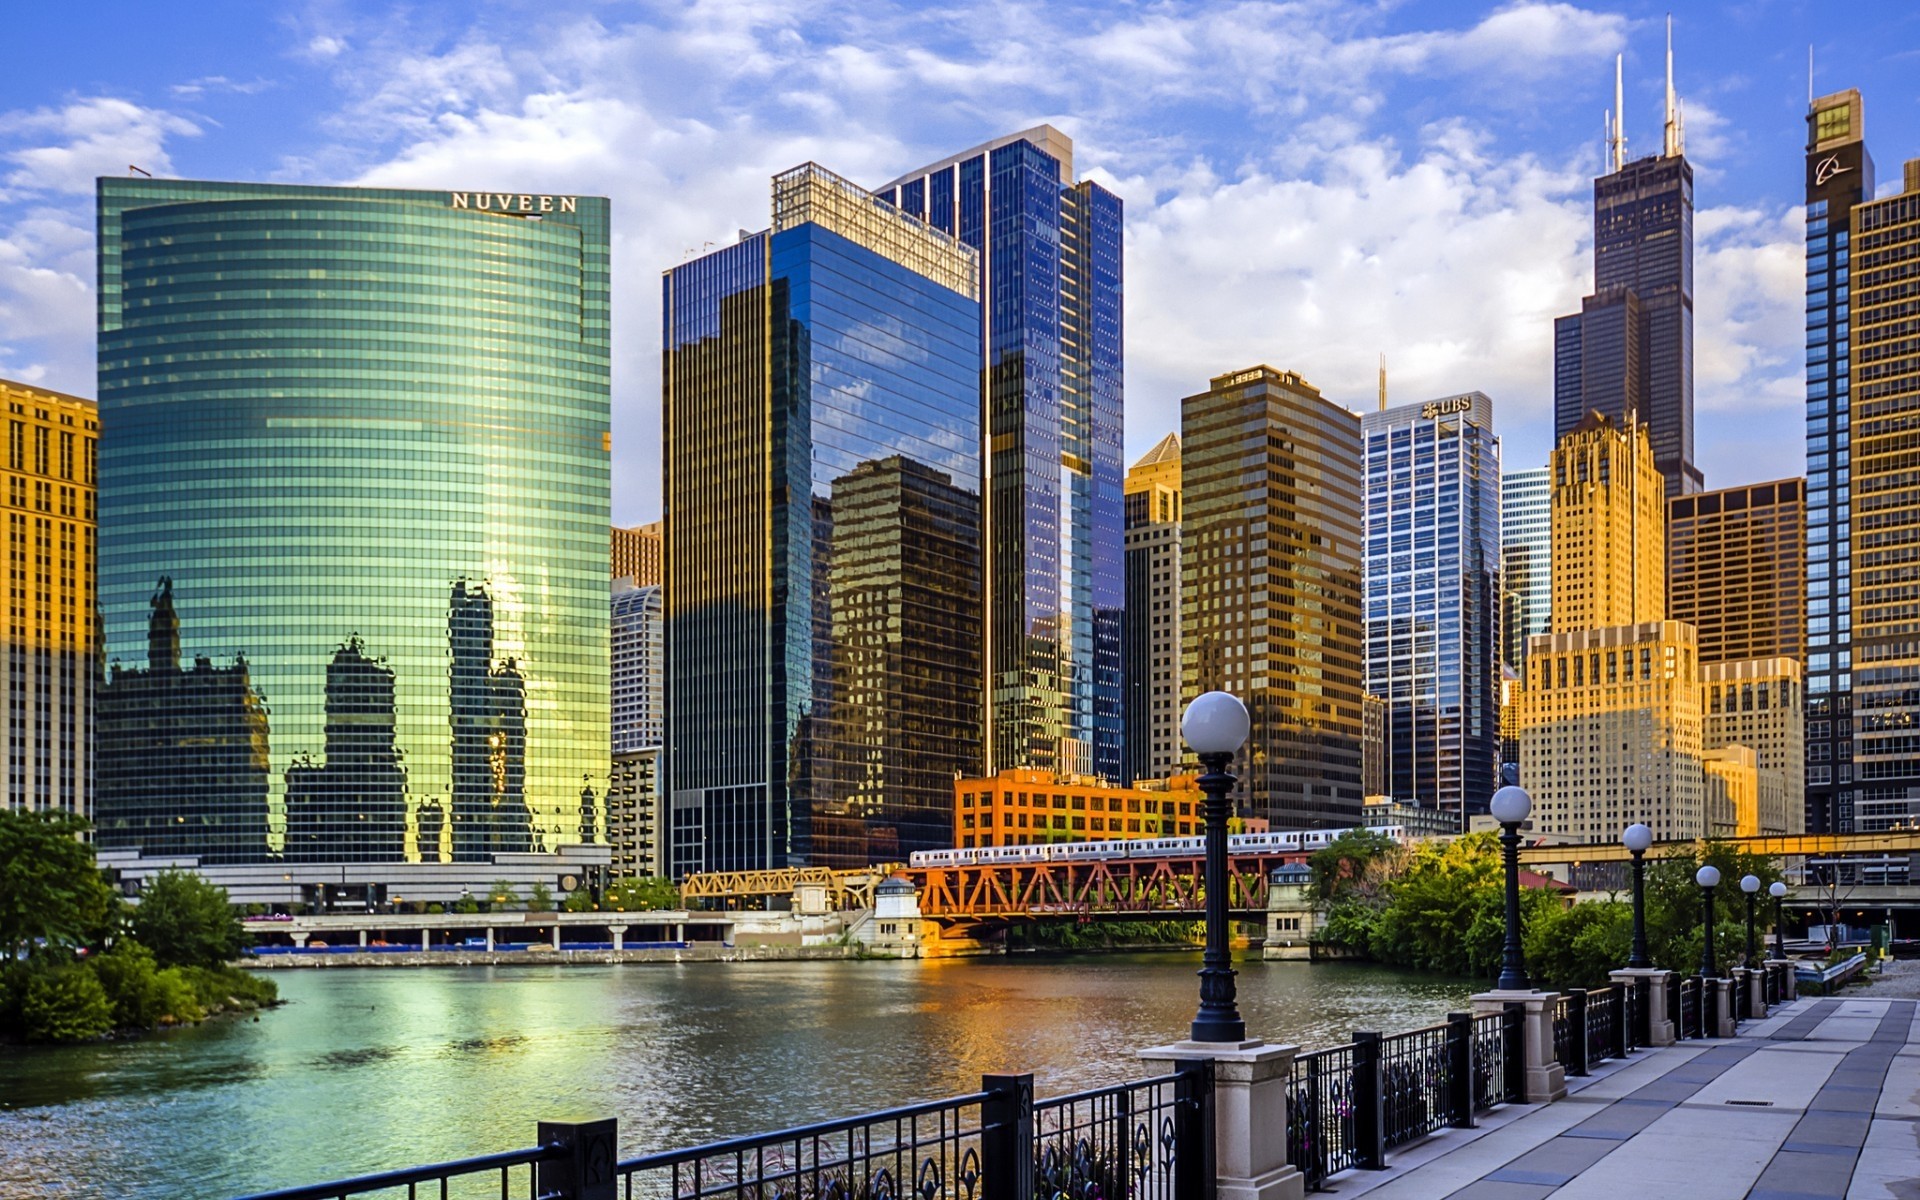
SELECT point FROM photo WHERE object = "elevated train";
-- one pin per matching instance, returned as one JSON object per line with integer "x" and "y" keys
{"x": 1294, "y": 841}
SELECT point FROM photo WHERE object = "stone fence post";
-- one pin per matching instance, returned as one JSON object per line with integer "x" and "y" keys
{"x": 1250, "y": 1081}
{"x": 1652, "y": 984}
{"x": 1789, "y": 985}
{"x": 1757, "y": 993}
{"x": 1546, "y": 1078}
{"x": 1723, "y": 1022}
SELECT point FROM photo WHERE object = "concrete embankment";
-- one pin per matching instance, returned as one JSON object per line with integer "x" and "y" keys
{"x": 547, "y": 958}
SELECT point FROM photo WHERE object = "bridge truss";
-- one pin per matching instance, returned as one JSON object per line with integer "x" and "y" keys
{"x": 1099, "y": 887}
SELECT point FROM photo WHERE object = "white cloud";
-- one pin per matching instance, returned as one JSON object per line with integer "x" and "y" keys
{"x": 87, "y": 138}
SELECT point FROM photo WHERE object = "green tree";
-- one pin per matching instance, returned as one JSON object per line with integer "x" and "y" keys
{"x": 66, "y": 1005}
{"x": 1358, "y": 861}
{"x": 1578, "y": 946}
{"x": 187, "y": 921}
{"x": 1447, "y": 911}
{"x": 501, "y": 896}
{"x": 1674, "y": 905}
{"x": 51, "y": 895}
{"x": 539, "y": 897}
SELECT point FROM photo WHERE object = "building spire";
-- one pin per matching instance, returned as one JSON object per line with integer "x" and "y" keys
{"x": 1617, "y": 134}
{"x": 1676, "y": 138}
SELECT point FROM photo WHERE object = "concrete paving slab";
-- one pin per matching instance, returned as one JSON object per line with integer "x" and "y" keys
{"x": 1488, "y": 1189}
{"x": 1762, "y": 1077}
{"x": 1847, "y": 1130}
{"x": 1719, "y": 1124}
{"x": 1900, "y": 1093}
{"x": 1797, "y": 1173}
{"x": 1845, "y": 1029}
{"x": 1654, "y": 1166}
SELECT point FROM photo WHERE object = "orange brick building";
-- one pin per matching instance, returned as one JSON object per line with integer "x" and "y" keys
{"x": 1029, "y": 807}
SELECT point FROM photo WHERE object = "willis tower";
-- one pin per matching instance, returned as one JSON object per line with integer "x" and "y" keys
{"x": 1628, "y": 352}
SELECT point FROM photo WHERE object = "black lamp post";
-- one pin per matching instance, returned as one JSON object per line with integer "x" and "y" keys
{"x": 1510, "y": 806}
{"x": 1750, "y": 884}
{"x": 1216, "y": 726}
{"x": 1636, "y": 838}
{"x": 1779, "y": 892}
{"x": 1708, "y": 877}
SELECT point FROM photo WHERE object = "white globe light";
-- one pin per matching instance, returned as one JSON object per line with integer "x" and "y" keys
{"x": 1510, "y": 805}
{"x": 1637, "y": 837}
{"x": 1707, "y": 876}
{"x": 1749, "y": 884}
{"x": 1778, "y": 890}
{"x": 1215, "y": 723}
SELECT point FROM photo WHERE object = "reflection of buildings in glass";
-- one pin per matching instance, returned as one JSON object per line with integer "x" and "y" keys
{"x": 848, "y": 334}
{"x": 50, "y": 648}
{"x": 589, "y": 816}
{"x": 639, "y": 683}
{"x": 1278, "y": 618}
{"x": 1053, "y": 335}
{"x": 488, "y": 711}
{"x": 1432, "y": 591}
{"x": 903, "y": 597}
{"x": 183, "y": 759}
{"x": 430, "y": 830}
{"x": 1526, "y": 559}
{"x": 353, "y": 808}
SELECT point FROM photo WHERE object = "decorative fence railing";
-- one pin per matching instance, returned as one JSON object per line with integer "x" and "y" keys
{"x": 1497, "y": 1075}
{"x": 1687, "y": 1004}
{"x": 1142, "y": 1140}
{"x": 1321, "y": 1135}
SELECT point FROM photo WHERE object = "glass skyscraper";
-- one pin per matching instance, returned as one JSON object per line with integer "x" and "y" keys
{"x": 353, "y": 563}
{"x": 1433, "y": 598}
{"x": 1839, "y": 179}
{"x": 1526, "y": 559}
{"x": 1050, "y": 282}
{"x": 821, "y": 397}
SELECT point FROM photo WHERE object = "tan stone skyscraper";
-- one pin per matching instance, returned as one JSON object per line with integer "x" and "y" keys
{"x": 1609, "y": 528}
{"x": 1152, "y": 622}
{"x": 52, "y": 623}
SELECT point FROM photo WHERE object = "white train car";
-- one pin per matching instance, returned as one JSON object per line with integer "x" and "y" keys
{"x": 1278, "y": 842}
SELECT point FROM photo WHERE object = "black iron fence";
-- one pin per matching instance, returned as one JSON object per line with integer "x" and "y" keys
{"x": 1687, "y": 1004}
{"x": 1151, "y": 1140}
{"x": 1499, "y": 1066}
{"x": 1321, "y": 1134}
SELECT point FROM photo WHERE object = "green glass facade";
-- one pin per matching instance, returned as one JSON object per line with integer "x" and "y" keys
{"x": 353, "y": 571}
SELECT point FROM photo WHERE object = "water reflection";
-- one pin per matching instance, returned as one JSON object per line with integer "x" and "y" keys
{"x": 365, "y": 1070}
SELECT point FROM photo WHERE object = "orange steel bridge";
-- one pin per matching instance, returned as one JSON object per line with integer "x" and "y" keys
{"x": 1109, "y": 887}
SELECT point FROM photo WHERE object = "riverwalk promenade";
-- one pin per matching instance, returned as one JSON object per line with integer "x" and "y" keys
{"x": 1818, "y": 1101}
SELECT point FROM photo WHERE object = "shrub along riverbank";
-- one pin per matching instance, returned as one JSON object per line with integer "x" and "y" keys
{"x": 1441, "y": 908}
{"x": 80, "y": 964}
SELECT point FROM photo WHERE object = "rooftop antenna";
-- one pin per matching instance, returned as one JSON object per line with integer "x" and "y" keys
{"x": 1617, "y": 144}
{"x": 1809, "y": 74}
{"x": 149, "y": 174}
{"x": 1676, "y": 140}
{"x": 1383, "y": 381}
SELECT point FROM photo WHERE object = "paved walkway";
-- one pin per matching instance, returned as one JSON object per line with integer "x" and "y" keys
{"x": 1820, "y": 1101}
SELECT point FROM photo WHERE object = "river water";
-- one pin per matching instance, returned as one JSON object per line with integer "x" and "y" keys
{"x": 371, "y": 1069}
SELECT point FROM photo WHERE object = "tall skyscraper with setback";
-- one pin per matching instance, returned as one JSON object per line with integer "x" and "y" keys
{"x": 1433, "y": 598}
{"x": 1271, "y": 556}
{"x": 821, "y": 395}
{"x": 1609, "y": 528}
{"x": 1052, "y": 343}
{"x": 1154, "y": 748}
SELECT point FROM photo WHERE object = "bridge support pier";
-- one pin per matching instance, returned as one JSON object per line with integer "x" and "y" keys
{"x": 489, "y": 939}
{"x": 426, "y": 939}
{"x": 1546, "y": 1077}
{"x": 1658, "y": 1030}
{"x": 1249, "y": 1105}
{"x": 619, "y": 933}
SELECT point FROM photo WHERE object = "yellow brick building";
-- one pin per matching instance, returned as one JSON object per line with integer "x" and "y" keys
{"x": 52, "y": 624}
{"x": 1609, "y": 528}
{"x": 1029, "y": 807}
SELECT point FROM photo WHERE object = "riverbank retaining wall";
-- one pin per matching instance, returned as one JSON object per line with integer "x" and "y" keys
{"x": 548, "y": 958}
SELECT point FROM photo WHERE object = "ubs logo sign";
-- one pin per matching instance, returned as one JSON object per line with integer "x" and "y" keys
{"x": 1446, "y": 408}
{"x": 502, "y": 202}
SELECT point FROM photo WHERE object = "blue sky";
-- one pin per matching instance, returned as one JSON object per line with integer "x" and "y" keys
{"x": 1308, "y": 184}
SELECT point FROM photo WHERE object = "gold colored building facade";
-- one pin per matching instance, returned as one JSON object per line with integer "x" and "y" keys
{"x": 52, "y": 622}
{"x": 636, "y": 554}
{"x": 1761, "y": 704}
{"x": 1271, "y": 556}
{"x": 1151, "y": 625}
{"x": 1023, "y": 807}
{"x": 1733, "y": 792}
{"x": 1609, "y": 528}
{"x": 1611, "y": 732}
{"x": 1737, "y": 569}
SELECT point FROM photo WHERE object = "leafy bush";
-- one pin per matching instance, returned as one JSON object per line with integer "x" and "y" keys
{"x": 187, "y": 921}
{"x": 65, "y": 1005}
{"x": 223, "y": 987}
{"x": 1578, "y": 946}
{"x": 128, "y": 975}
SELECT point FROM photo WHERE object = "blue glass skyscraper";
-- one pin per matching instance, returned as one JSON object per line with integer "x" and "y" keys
{"x": 821, "y": 385}
{"x": 1433, "y": 597}
{"x": 1050, "y": 282}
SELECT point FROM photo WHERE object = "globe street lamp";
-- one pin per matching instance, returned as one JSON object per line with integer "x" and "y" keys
{"x": 1778, "y": 891}
{"x": 1510, "y": 806}
{"x": 1216, "y": 725}
{"x": 1750, "y": 884}
{"x": 1636, "y": 838}
{"x": 1708, "y": 877}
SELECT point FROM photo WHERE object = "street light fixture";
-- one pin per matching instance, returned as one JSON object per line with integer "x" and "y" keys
{"x": 1750, "y": 884}
{"x": 1510, "y": 806}
{"x": 1779, "y": 892}
{"x": 1637, "y": 837}
{"x": 1216, "y": 726}
{"x": 1708, "y": 877}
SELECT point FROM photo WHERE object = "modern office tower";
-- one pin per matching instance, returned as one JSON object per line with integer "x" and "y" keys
{"x": 1376, "y": 750}
{"x": 1024, "y": 807}
{"x": 1154, "y": 702}
{"x": 1628, "y": 352}
{"x": 1886, "y": 509}
{"x": 636, "y": 554}
{"x": 1736, "y": 569}
{"x": 1271, "y": 549}
{"x": 821, "y": 392}
{"x": 1839, "y": 178}
{"x": 358, "y": 437}
{"x": 1051, "y": 336}
{"x": 51, "y": 647}
{"x": 1611, "y": 732}
{"x": 1433, "y": 598}
{"x": 1609, "y": 528}
{"x": 633, "y": 814}
{"x": 1526, "y": 559}
{"x": 1760, "y": 704}
{"x": 639, "y": 668}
